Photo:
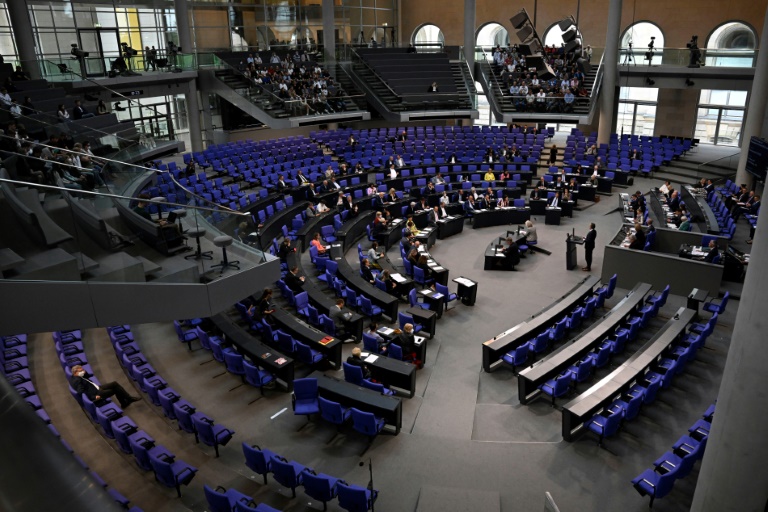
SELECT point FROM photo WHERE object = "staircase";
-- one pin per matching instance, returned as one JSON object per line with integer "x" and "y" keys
{"x": 465, "y": 84}
{"x": 391, "y": 107}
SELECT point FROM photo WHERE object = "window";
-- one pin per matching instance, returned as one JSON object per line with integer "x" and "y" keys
{"x": 637, "y": 110}
{"x": 428, "y": 35}
{"x": 731, "y": 44}
{"x": 646, "y": 41}
{"x": 720, "y": 117}
{"x": 492, "y": 34}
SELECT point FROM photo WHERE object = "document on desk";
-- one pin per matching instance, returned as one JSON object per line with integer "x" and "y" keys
{"x": 386, "y": 331}
{"x": 418, "y": 340}
{"x": 426, "y": 292}
{"x": 398, "y": 278}
{"x": 464, "y": 281}
{"x": 371, "y": 358}
{"x": 422, "y": 248}
{"x": 438, "y": 268}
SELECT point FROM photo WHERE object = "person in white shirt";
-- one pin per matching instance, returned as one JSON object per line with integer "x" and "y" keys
{"x": 664, "y": 189}
{"x": 400, "y": 162}
{"x": 5, "y": 98}
{"x": 15, "y": 110}
{"x": 374, "y": 255}
{"x": 321, "y": 208}
{"x": 392, "y": 173}
{"x": 274, "y": 59}
{"x": 444, "y": 199}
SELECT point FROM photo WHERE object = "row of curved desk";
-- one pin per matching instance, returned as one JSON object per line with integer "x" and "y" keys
{"x": 512, "y": 338}
{"x": 610, "y": 387}
{"x": 529, "y": 380}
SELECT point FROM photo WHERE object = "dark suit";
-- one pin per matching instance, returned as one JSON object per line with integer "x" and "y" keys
{"x": 281, "y": 185}
{"x": 337, "y": 315}
{"x": 367, "y": 274}
{"x": 674, "y": 204}
{"x": 511, "y": 256}
{"x": 356, "y": 361}
{"x": 293, "y": 282}
{"x": 378, "y": 203}
{"x": 589, "y": 246}
{"x": 408, "y": 343}
{"x": 711, "y": 255}
{"x": 554, "y": 202}
{"x": 104, "y": 391}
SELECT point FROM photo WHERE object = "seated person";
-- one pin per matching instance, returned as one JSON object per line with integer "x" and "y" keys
{"x": 634, "y": 243}
{"x": 685, "y": 224}
{"x": 340, "y": 316}
{"x": 390, "y": 283}
{"x": 712, "y": 254}
{"x": 318, "y": 244}
{"x": 97, "y": 393}
{"x": 261, "y": 309}
{"x": 511, "y": 255}
{"x": 293, "y": 280}
{"x": 356, "y": 360}
{"x": 407, "y": 342}
{"x": 141, "y": 209}
{"x": 372, "y": 328}
{"x": 374, "y": 255}
{"x": 365, "y": 270}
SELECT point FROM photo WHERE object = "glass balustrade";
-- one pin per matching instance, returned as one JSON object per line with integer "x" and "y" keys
{"x": 129, "y": 224}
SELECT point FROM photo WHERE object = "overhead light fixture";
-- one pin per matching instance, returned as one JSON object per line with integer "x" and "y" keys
{"x": 689, "y": 82}
{"x": 648, "y": 81}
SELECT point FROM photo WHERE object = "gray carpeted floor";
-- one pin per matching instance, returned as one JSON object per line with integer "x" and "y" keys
{"x": 466, "y": 443}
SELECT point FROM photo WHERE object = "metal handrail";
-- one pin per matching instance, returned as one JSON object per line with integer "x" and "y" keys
{"x": 710, "y": 162}
{"x": 598, "y": 79}
{"x": 399, "y": 95}
{"x": 354, "y": 52}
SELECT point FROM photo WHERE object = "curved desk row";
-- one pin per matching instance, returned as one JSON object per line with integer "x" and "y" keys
{"x": 291, "y": 324}
{"x": 610, "y": 387}
{"x": 540, "y": 322}
{"x": 529, "y": 380}
{"x": 279, "y": 365}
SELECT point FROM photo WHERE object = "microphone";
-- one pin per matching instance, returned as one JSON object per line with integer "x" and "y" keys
{"x": 361, "y": 464}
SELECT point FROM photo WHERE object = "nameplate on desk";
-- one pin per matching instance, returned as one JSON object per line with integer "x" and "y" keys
{"x": 336, "y": 245}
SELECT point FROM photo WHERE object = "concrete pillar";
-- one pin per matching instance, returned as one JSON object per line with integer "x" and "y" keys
{"x": 610, "y": 74}
{"x": 24, "y": 37}
{"x": 207, "y": 119}
{"x": 329, "y": 33}
{"x": 469, "y": 34}
{"x": 182, "y": 25}
{"x": 193, "y": 117}
{"x": 732, "y": 475}
{"x": 753, "y": 124}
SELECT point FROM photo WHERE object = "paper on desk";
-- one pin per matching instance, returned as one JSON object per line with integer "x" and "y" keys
{"x": 398, "y": 278}
{"x": 371, "y": 358}
{"x": 419, "y": 339}
{"x": 438, "y": 268}
{"x": 464, "y": 281}
{"x": 386, "y": 331}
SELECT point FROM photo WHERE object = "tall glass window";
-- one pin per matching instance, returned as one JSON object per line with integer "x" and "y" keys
{"x": 720, "y": 117}
{"x": 637, "y": 110}
{"x": 646, "y": 40}
{"x": 492, "y": 34}
{"x": 428, "y": 34}
{"x": 731, "y": 44}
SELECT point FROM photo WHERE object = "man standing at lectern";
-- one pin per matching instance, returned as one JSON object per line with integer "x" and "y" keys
{"x": 589, "y": 246}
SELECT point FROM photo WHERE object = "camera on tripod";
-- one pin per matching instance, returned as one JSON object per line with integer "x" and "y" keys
{"x": 649, "y": 53}
{"x": 693, "y": 43}
{"x": 128, "y": 52}
{"x": 77, "y": 52}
